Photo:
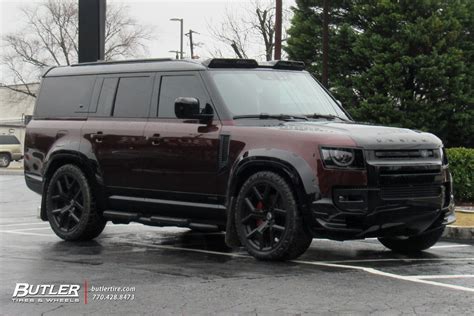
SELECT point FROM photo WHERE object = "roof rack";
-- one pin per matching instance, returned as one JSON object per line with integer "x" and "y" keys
{"x": 130, "y": 61}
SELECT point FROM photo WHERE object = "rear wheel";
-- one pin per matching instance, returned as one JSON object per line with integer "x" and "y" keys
{"x": 413, "y": 243}
{"x": 70, "y": 206}
{"x": 4, "y": 160}
{"x": 267, "y": 219}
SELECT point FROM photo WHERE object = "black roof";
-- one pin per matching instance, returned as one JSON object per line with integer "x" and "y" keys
{"x": 164, "y": 64}
{"x": 150, "y": 65}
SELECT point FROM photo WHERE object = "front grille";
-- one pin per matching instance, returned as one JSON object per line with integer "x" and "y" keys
{"x": 406, "y": 154}
{"x": 410, "y": 192}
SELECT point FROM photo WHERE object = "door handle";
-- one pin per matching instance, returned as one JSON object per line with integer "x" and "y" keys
{"x": 97, "y": 137}
{"x": 155, "y": 140}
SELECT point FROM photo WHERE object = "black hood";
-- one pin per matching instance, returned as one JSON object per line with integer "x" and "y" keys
{"x": 370, "y": 136}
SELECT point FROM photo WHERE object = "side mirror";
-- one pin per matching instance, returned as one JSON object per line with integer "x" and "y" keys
{"x": 188, "y": 108}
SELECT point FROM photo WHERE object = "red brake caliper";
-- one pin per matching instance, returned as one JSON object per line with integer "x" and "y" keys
{"x": 259, "y": 208}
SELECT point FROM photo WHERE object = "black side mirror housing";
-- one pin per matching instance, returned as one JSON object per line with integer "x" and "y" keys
{"x": 188, "y": 108}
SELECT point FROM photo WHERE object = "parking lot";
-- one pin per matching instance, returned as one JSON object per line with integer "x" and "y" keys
{"x": 176, "y": 271}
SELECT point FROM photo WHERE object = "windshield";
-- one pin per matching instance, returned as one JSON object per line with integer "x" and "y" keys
{"x": 253, "y": 92}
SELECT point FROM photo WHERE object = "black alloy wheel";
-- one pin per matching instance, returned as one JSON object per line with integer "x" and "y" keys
{"x": 267, "y": 218}
{"x": 67, "y": 201}
{"x": 70, "y": 206}
{"x": 264, "y": 216}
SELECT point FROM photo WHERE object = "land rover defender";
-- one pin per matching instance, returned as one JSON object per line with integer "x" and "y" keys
{"x": 261, "y": 151}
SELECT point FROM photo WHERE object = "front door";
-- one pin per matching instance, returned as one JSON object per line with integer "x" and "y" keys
{"x": 181, "y": 156}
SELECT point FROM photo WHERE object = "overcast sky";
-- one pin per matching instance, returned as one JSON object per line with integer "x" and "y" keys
{"x": 197, "y": 15}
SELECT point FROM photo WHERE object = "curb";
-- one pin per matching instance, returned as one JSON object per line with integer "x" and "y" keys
{"x": 459, "y": 232}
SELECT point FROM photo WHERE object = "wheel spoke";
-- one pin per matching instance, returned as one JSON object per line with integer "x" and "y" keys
{"x": 274, "y": 202}
{"x": 266, "y": 194}
{"x": 249, "y": 204}
{"x": 257, "y": 194}
{"x": 76, "y": 195}
{"x": 68, "y": 184}
{"x": 60, "y": 210}
{"x": 252, "y": 233}
{"x": 74, "y": 217}
{"x": 60, "y": 187}
{"x": 252, "y": 215}
{"x": 68, "y": 221}
{"x": 78, "y": 205}
{"x": 279, "y": 228}
{"x": 61, "y": 218}
{"x": 279, "y": 211}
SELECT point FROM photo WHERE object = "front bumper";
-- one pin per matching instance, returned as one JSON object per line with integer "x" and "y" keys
{"x": 375, "y": 216}
{"x": 400, "y": 199}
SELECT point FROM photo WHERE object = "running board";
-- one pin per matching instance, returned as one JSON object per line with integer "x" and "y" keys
{"x": 118, "y": 217}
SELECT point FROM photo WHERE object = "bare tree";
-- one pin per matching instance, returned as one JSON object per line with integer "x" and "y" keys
{"x": 50, "y": 38}
{"x": 253, "y": 28}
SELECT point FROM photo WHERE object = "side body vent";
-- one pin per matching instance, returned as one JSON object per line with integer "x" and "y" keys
{"x": 224, "y": 142}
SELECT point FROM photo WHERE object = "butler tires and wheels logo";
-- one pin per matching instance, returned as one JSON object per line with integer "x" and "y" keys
{"x": 46, "y": 293}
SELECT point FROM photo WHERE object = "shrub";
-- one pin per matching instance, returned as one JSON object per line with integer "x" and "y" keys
{"x": 461, "y": 165}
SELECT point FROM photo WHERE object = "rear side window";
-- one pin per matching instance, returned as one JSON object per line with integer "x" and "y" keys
{"x": 65, "y": 96}
{"x": 133, "y": 97}
{"x": 8, "y": 140}
{"x": 173, "y": 87}
{"x": 107, "y": 95}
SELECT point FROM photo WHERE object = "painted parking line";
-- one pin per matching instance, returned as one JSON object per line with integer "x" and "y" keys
{"x": 449, "y": 246}
{"x": 399, "y": 259}
{"x": 414, "y": 279}
{"x": 24, "y": 224}
{"x": 387, "y": 274}
{"x": 451, "y": 276}
{"x": 322, "y": 263}
{"x": 25, "y": 229}
{"x": 27, "y": 233}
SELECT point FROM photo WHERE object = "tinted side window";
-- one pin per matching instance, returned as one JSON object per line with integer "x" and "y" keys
{"x": 106, "y": 97}
{"x": 65, "y": 96}
{"x": 173, "y": 87}
{"x": 133, "y": 97}
{"x": 9, "y": 140}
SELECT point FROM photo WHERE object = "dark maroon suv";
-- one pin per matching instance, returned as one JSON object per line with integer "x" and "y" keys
{"x": 261, "y": 151}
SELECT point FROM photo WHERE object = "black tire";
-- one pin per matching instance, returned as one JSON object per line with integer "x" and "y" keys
{"x": 5, "y": 160}
{"x": 414, "y": 243}
{"x": 70, "y": 206}
{"x": 278, "y": 236}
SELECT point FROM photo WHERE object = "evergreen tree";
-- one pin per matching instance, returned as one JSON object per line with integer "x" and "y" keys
{"x": 404, "y": 63}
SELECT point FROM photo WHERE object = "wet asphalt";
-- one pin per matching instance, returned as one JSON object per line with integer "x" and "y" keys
{"x": 177, "y": 271}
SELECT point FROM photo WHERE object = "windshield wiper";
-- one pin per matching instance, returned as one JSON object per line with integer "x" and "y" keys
{"x": 264, "y": 116}
{"x": 327, "y": 116}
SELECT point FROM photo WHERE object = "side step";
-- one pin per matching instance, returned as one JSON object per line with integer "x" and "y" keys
{"x": 118, "y": 217}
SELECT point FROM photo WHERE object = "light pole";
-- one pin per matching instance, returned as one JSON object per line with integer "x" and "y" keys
{"x": 181, "y": 40}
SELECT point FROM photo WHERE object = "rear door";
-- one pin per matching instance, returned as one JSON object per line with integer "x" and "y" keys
{"x": 114, "y": 131}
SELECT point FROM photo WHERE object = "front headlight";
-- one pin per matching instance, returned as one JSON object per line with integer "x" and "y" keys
{"x": 342, "y": 157}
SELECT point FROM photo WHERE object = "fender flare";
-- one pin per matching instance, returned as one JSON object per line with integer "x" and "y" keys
{"x": 71, "y": 157}
{"x": 291, "y": 163}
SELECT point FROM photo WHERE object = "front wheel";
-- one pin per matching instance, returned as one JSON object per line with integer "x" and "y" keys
{"x": 414, "y": 243}
{"x": 70, "y": 206}
{"x": 267, "y": 219}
